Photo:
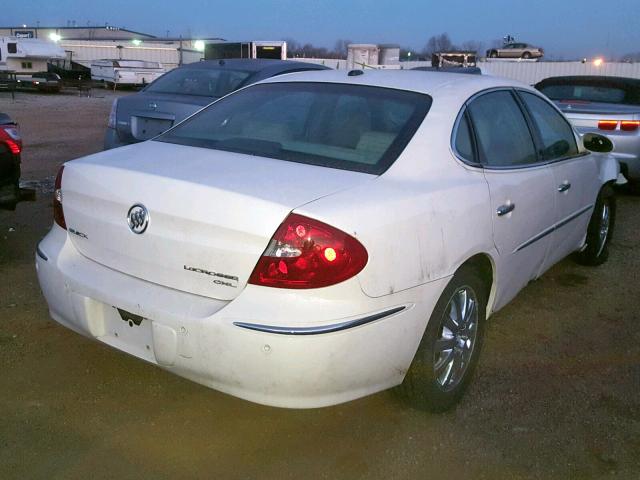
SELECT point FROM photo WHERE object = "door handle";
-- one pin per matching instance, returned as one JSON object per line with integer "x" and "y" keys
{"x": 504, "y": 209}
{"x": 563, "y": 187}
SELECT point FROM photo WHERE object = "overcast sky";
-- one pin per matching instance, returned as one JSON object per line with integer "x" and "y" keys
{"x": 565, "y": 28}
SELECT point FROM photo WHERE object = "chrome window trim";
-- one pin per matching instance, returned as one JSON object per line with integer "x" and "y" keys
{"x": 479, "y": 164}
{"x": 545, "y": 163}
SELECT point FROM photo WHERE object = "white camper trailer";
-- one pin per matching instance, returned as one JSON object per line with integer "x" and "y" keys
{"x": 27, "y": 55}
{"x": 125, "y": 72}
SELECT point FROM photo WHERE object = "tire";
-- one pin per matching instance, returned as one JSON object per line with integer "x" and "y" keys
{"x": 493, "y": 55}
{"x": 526, "y": 55}
{"x": 431, "y": 384}
{"x": 600, "y": 229}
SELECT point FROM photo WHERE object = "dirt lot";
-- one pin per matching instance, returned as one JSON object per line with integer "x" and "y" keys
{"x": 555, "y": 396}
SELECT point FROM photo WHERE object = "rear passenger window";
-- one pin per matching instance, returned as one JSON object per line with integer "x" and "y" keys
{"x": 463, "y": 144}
{"x": 502, "y": 133}
{"x": 556, "y": 134}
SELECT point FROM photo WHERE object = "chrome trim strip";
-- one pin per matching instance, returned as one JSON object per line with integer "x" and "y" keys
{"x": 553, "y": 228}
{"x": 335, "y": 327}
{"x": 41, "y": 254}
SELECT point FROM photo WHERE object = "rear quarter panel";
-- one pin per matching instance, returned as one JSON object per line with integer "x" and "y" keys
{"x": 421, "y": 219}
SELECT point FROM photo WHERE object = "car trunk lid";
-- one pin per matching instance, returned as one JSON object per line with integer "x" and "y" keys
{"x": 586, "y": 115}
{"x": 143, "y": 116}
{"x": 211, "y": 213}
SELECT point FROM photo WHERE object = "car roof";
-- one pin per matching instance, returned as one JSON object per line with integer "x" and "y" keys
{"x": 253, "y": 64}
{"x": 430, "y": 83}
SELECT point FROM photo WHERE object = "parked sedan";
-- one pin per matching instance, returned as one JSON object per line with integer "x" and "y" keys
{"x": 319, "y": 237}
{"x": 516, "y": 50}
{"x": 608, "y": 105}
{"x": 10, "y": 148}
{"x": 185, "y": 90}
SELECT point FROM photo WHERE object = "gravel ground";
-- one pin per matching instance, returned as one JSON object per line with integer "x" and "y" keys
{"x": 555, "y": 395}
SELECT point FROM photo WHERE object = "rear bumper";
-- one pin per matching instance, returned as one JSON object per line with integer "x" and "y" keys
{"x": 297, "y": 349}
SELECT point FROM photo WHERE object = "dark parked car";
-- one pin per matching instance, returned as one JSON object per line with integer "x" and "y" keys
{"x": 10, "y": 148}
{"x": 185, "y": 90}
{"x": 605, "y": 105}
{"x": 40, "y": 81}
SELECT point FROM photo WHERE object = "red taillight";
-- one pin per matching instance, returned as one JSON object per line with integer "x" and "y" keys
{"x": 306, "y": 253}
{"x": 607, "y": 124}
{"x": 10, "y": 136}
{"x": 58, "y": 212}
{"x": 629, "y": 125}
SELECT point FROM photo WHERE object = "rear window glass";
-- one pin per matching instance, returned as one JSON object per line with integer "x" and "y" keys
{"x": 201, "y": 82}
{"x": 351, "y": 127}
{"x": 592, "y": 93}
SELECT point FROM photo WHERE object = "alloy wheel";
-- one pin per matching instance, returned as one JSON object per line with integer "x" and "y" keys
{"x": 603, "y": 230}
{"x": 454, "y": 346}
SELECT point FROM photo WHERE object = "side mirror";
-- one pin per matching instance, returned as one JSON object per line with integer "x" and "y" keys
{"x": 597, "y": 143}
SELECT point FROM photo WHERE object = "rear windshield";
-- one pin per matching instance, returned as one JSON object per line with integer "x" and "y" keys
{"x": 206, "y": 83}
{"x": 593, "y": 93}
{"x": 350, "y": 127}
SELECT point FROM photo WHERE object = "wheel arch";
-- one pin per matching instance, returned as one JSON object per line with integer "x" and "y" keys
{"x": 484, "y": 264}
{"x": 609, "y": 171}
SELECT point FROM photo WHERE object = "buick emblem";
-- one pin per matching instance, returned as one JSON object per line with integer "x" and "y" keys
{"x": 138, "y": 218}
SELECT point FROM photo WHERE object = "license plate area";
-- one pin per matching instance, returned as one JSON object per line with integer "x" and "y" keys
{"x": 128, "y": 332}
{"x": 144, "y": 128}
{"x": 131, "y": 318}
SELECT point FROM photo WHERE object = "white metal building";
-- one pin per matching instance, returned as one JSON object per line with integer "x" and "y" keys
{"x": 169, "y": 53}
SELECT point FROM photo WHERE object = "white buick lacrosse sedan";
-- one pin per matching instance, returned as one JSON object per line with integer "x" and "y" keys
{"x": 322, "y": 236}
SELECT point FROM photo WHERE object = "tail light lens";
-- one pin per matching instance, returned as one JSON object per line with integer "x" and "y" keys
{"x": 607, "y": 124}
{"x": 10, "y": 136}
{"x": 58, "y": 212}
{"x": 112, "y": 114}
{"x": 307, "y": 253}
{"x": 630, "y": 125}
